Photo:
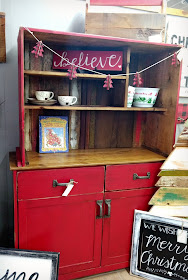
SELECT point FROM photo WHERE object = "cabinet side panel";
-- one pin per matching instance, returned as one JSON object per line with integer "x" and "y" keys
{"x": 21, "y": 92}
{"x": 160, "y": 127}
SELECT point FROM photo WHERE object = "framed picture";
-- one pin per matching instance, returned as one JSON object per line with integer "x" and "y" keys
{"x": 53, "y": 134}
{"x": 159, "y": 247}
{"x": 25, "y": 264}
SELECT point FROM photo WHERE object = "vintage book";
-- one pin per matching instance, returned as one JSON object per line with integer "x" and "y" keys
{"x": 53, "y": 134}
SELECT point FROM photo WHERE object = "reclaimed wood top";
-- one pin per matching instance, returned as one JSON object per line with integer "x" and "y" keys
{"x": 170, "y": 196}
{"x": 176, "y": 164}
{"x": 91, "y": 157}
{"x": 183, "y": 138}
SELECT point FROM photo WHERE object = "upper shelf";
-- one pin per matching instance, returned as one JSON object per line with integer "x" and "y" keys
{"x": 64, "y": 74}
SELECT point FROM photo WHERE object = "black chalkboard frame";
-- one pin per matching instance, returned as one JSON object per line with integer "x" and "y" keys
{"x": 53, "y": 256}
{"x": 139, "y": 217}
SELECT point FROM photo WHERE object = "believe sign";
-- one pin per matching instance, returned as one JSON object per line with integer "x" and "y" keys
{"x": 91, "y": 60}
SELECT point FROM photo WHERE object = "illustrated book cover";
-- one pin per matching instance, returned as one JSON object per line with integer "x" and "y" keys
{"x": 53, "y": 134}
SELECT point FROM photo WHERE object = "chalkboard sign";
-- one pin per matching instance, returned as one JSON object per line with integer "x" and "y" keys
{"x": 28, "y": 265}
{"x": 159, "y": 247}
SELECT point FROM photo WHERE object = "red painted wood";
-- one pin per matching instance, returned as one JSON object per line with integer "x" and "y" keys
{"x": 39, "y": 183}
{"x": 15, "y": 209}
{"x": 18, "y": 157}
{"x": 117, "y": 230}
{"x": 92, "y": 60}
{"x": 120, "y": 177}
{"x": 126, "y": 2}
{"x": 67, "y": 225}
{"x": 21, "y": 92}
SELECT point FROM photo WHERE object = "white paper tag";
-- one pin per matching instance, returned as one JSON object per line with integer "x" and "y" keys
{"x": 68, "y": 189}
{"x": 182, "y": 236}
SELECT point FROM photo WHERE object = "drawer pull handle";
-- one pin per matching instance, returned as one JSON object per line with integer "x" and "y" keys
{"x": 68, "y": 186}
{"x": 99, "y": 203}
{"x": 108, "y": 203}
{"x": 135, "y": 176}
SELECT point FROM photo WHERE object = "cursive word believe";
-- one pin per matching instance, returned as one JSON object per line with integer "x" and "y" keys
{"x": 89, "y": 60}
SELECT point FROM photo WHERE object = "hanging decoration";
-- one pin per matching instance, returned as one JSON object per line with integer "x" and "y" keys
{"x": 137, "y": 81}
{"x": 38, "y": 49}
{"x": 108, "y": 82}
{"x": 175, "y": 60}
{"x": 72, "y": 72}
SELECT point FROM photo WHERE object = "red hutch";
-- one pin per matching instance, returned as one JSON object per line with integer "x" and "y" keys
{"x": 115, "y": 158}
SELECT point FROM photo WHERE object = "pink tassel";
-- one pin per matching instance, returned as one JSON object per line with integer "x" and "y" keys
{"x": 137, "y": 81}
{"x": 108, "y": 82}
{"x": 175, "y": 60}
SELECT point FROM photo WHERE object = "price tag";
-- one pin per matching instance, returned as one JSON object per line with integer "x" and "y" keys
{"x": 182, "y": 236}
{"x": 68, "y": 189}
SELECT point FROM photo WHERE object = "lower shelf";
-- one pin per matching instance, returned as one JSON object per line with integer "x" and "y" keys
{"x": 90, "y": 157}
{"x": 94, "y": 108}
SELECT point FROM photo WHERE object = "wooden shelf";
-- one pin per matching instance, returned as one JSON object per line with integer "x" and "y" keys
{"x": 90, "y": 157}
{"x": 64, "y": 74}
{"x": 176, "y": 164}
{"x": 93, "y": 108}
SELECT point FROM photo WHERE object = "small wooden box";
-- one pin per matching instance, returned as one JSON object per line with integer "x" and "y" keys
{"x": 2, "y": 38}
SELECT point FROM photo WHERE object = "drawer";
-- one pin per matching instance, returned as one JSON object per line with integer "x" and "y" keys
{"x": 120, "y": 177}
{"x": 39, "y": 183}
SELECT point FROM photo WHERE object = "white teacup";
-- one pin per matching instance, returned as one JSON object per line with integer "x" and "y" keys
{"x": 67, "y": 100}
{"x": 44, "y": 95}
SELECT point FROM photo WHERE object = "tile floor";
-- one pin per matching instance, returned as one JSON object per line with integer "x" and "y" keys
{"x": 122, "y": 274}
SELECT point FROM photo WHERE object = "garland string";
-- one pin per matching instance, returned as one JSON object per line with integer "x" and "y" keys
{"x": 96, "y": 72}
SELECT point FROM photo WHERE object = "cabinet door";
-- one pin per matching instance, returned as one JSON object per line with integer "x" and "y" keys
{"x": 65, "y": 224}
{"x": 117, "y": 229}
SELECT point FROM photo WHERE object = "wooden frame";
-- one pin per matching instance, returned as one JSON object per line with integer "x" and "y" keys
{"x": 152, "y": 235}
{"x": 2, "y": 38}
{"x": 97, "y": 108}
{"x": 28, "y": 264}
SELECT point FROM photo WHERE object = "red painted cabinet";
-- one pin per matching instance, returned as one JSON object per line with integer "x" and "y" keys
{"x": 117, "y": 228}
{"x": 66, "y": 225}
{"x": 91, "y": 227}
